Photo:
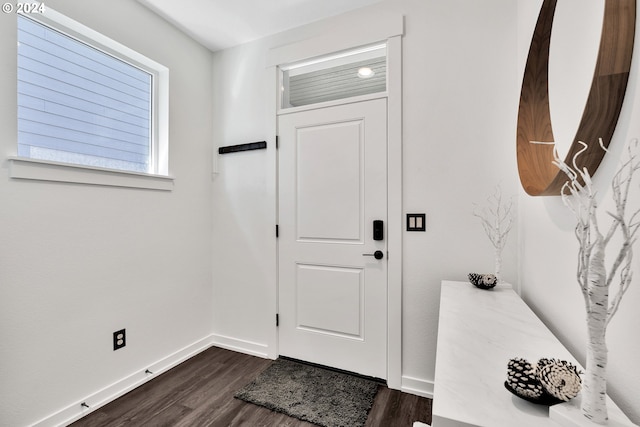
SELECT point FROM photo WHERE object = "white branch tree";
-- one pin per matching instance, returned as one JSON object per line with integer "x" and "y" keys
{"x": 595, "y": 282}
{"x": 497, "y": 220}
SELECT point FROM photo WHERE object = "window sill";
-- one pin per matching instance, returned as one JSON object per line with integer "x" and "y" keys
{"x": 39, "y": 170}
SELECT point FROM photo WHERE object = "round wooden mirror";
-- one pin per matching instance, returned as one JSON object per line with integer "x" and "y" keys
{"x": 535, "y": 140}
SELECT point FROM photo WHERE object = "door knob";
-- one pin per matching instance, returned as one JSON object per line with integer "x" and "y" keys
{"x": 376, "y": 255}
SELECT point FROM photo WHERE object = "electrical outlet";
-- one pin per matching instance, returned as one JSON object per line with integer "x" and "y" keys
{"x": 119, "y": 339}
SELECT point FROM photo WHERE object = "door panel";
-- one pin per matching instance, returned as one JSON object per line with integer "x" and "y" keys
{"x": 330, "y": 300}
{"x": 332, "y": 186}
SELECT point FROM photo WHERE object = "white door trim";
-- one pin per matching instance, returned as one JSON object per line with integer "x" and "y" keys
{"x": 394, "y": 214}
{"x": 394, "y": 203}
{"x": 379, "y": 27}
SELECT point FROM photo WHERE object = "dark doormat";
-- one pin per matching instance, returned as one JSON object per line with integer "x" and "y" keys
{"x": 309, "y": 393}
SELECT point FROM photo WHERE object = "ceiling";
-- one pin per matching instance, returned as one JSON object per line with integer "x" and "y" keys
{"x": 219, "y": 24}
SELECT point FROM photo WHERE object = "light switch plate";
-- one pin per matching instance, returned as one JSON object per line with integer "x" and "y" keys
{"x": 416, "y": 222}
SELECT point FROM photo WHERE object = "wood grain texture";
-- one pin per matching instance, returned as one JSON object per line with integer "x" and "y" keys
{"x": 538, "y": 175}
{"x": 199, "y": 392}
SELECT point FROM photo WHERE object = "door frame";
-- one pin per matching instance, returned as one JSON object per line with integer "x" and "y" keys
{"x": 388, "y": 30}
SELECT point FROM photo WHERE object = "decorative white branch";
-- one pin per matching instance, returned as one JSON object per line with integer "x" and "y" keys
{"x": 497, "y": 219}
{"x": 579, "y": 196}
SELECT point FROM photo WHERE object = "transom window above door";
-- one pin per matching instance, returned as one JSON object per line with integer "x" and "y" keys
{"x": 353, "y": 73}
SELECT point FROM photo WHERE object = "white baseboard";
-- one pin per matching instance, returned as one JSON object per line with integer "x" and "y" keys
{"x": 100, "y": 398}
{"x": 241, "y": 346}
{"x": 417, "y": 386}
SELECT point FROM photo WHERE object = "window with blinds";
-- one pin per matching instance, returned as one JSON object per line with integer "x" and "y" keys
{"x": 80, "y": 105}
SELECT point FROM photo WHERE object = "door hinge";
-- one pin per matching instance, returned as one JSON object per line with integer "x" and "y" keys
{"x": 277, "y": 320}
{"x": 277, "y": 231}
{"x": 277, "y": 142}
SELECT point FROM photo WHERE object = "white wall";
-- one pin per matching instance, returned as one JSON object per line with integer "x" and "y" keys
{"x": 460, "y": 104}
{"x": 244, "y": 249}
{"x": 459, "y": 125}
{"x": 79, "y": 262}
{"x": 549, "y": 248}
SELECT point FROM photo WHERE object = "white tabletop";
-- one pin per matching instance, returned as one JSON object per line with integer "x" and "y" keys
{"x": 478, "y": 332}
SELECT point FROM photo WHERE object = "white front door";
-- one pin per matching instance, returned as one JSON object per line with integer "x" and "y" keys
{"x": 332, "y": 292}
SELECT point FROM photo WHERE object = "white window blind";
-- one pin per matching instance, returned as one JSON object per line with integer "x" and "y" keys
{"x": 80, "y": 105}
{"x": 359, "y": 72}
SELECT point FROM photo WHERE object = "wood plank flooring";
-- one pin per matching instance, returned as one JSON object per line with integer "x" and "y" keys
{"x": 199, "y": 392}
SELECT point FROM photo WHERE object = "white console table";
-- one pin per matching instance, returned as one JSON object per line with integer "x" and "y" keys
{"x": 478, "y": 332}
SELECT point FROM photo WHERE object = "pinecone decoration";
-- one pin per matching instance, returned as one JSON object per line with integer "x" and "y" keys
{"x": 483, "y": 281}
{"x": 559, "y": 378}
{"x": 475, "y": 278}
{"x": 522, "y": 378}
{"x": 489, "y": 280}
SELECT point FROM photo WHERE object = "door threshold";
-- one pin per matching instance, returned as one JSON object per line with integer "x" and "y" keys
{"x": 340, "y": 371}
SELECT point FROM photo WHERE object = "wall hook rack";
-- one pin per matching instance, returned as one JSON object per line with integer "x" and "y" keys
{"x": 243, "y": 147}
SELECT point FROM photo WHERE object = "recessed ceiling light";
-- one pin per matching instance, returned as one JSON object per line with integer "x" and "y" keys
{"x": 365, "y": 72}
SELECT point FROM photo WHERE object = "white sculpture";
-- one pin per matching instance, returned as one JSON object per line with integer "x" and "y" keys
{"x": 578, "y": 195}
{"x": 497, "y": 219}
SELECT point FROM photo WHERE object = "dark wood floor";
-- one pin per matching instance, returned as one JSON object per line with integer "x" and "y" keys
{"x": 199, "y": 392}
